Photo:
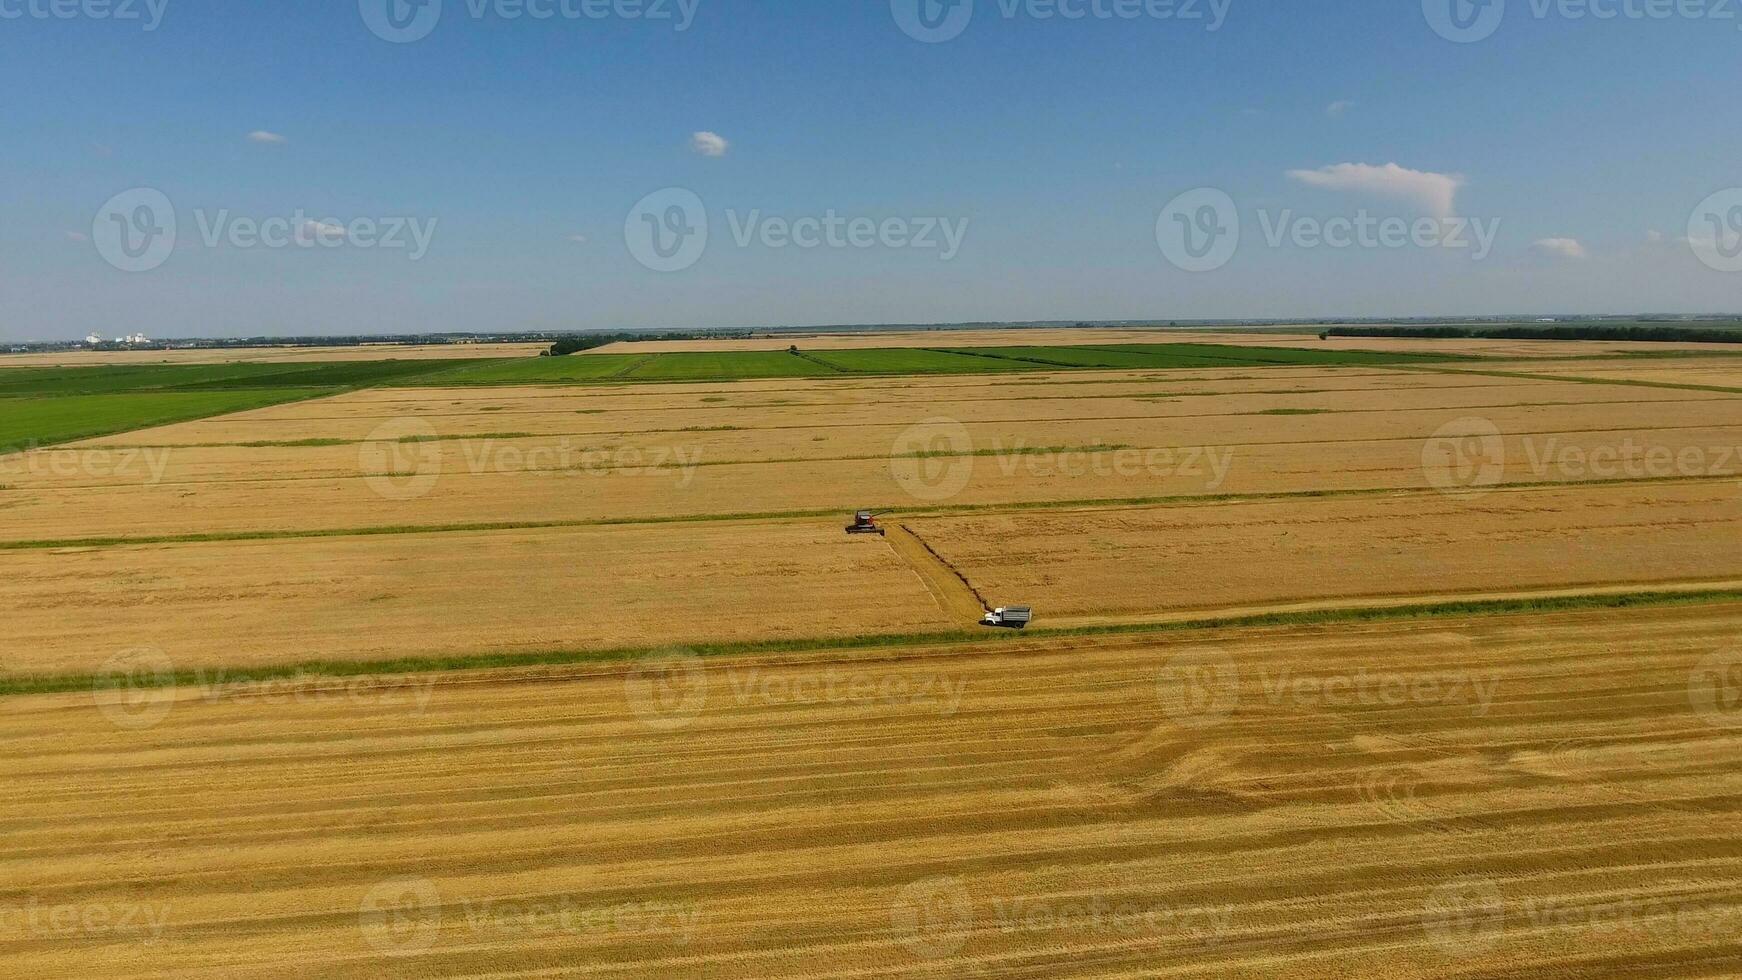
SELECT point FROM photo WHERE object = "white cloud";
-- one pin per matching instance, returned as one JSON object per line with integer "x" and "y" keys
{"x": 1339, "y": 108}
{"x": 1654, "y": 236}
{"x": 262, "y": 136}
{"x": 77, "y": 236}
{"x": 578, "y": 239}
{"x": 709, "y": 144}
{"x": 1435, "y": 194}
{"x": 317, "y": 231}
{"x": 1567, "y": 248}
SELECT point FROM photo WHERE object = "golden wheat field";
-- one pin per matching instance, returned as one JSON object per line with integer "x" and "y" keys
{"x": 1550, "y": 795}
{"x": 1416, "y": 671}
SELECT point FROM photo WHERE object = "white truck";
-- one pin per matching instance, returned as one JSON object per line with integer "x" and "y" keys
{"x": 1010, "y": 617}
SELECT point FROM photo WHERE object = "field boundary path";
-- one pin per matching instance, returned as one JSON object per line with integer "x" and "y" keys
{"x": 955, "y": 595}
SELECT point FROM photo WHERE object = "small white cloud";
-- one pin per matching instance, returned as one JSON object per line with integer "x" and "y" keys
{"x": 1434, "y": 193}
{"x": 271, "y": 139}
{"x": 1339, "y": 108}
{"x": 1566, "y": 248}
{"x": 317, "y": 231}
{"x": 1654, "y": 237}
{"x": 77, "y": 236}
{"x": 709, "y": 144}
{"x": 578, "y": 239}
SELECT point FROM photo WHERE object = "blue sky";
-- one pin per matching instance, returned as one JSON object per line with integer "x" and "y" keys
{"x": 522, "y": 147}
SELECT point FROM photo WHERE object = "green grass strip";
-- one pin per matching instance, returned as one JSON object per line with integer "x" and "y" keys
{"x": 61, "y": 683}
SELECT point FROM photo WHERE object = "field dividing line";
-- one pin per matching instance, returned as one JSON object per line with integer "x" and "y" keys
{"x": 1579, "y": 379}
{"x": 1380, "y": 603}
{"x": 958, "y": 510}
{"x": 955, "y": 595}
{"x": 529, "y": 666}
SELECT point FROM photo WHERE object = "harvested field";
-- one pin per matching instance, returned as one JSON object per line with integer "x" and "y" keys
{"x": 1137, "y": 561}
{"x": 1531, "y": 795}
{"x": 1721, "y": 372}
{"x": 250, "y": 603}
{"x": 350, "y": 694}
{"x": 527, "y": 455}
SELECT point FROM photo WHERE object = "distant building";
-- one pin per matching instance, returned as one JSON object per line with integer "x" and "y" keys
{"x": 93, "y": 340}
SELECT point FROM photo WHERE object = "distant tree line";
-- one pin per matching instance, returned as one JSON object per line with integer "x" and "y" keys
{"x": 1666, "y": 332}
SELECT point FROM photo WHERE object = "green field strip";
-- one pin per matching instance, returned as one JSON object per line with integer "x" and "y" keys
{"x": 572, "y": 369}
{"x": 116, "y": 379}
{"x": 27, "y": 684}
{"x": 735, "y": 365}
{"x": 32, "y": 423}
{"x": 910, "y": 361}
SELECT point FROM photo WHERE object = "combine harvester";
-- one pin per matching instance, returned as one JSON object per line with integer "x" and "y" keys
{"x": 865, "y": 522}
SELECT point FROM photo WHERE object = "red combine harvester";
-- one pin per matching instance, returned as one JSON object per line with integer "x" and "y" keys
{"x": 865, "y": 522}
